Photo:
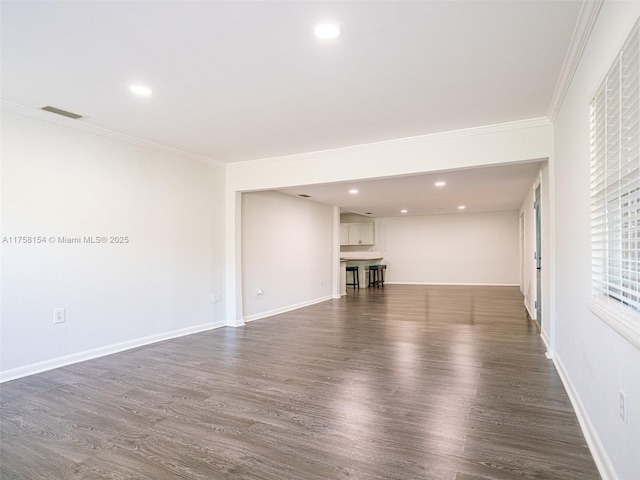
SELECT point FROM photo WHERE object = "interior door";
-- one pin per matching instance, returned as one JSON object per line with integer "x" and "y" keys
{"x": 536, "y": 206}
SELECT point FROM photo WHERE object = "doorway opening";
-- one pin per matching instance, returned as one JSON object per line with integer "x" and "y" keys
{"x": 538, "y": 256}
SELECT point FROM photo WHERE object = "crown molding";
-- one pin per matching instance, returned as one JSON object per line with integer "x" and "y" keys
{"x": 103, "y": 132}
{"x": 584, "y": 25}
{"x": 431, "y": 137}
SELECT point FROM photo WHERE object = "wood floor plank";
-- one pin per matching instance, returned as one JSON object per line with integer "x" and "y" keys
{"x": 405, "y": 382}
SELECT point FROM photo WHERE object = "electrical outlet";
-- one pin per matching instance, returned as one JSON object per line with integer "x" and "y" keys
{"x": 215, "y": 297}
{"x": 58, "y": 315}
{"x": 623, "y": 407}
{"x": 259, "y": 294}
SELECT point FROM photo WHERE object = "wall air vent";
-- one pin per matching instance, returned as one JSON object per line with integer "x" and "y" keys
{"x": 58, "y": 111}
{"x": 304, "y": 195}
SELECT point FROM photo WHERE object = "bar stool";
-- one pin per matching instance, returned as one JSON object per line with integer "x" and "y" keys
{"x": 376, "y": 275}
{"x": 354, "y": 276}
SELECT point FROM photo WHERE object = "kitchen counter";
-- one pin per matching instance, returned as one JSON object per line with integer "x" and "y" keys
{"x": 362, "y": 260}
{"x": 349, "y": 256}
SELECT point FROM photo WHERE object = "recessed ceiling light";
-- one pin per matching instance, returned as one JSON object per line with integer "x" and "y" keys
{"x": 461, "y": 207}
{"x": 141, "y": 90}
{"x": 327, "y": 31}
{"x": 440, "y": 184}
{"x": 353, "y": 191}
{"x": 404, "y": 210}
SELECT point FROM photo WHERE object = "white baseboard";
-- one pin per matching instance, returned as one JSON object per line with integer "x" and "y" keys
{"x": 102, "y": 351}
{"x": 605, "y": 467}
{"x": 532, "y": 315}
{"x": 545, "y": 339}
{"x": 456, "y": 284}
{"x": 288, "y": 308}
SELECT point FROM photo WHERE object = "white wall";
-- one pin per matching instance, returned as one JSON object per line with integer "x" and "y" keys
{"x": 528, "y": 285}
{"x": 528, "y": 288}
{"x": 547, "y": 261}
{"x": 61, "y": 181}
{"x": 493, "y": 145}
{"x": 596, "y": 361}
{"x": 479, "y": 248}
{"x": 287, "y": 253}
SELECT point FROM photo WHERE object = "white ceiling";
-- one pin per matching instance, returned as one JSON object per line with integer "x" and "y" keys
{"x": 241, "y": 80}
{"x": 237, "y": 80}
{"x": 488, "y": 189}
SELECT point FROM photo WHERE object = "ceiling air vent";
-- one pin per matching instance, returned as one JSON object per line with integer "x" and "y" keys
{"x": 64, "y": 113}
{"x": 304, "y": 195}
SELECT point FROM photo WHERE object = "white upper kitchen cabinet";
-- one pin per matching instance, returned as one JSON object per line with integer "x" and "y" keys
{"x": 344, "y": 234}
{"x": 357, "y": 233}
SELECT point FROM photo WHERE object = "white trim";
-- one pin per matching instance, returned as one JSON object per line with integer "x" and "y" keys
{"x": 233, "y": 256}
{"x": 584, "y": 25}
{"x": 336, "y": 265}
{"x": 103, "y": 351}
{"x": 288, "y": 308}
{"x": 528, "y": 308}
{"x": 235, "y": 323}
{"x": 603, "y": 462}
{"x": 626, "y": 325}
{"x": 103, "y": 132}
{"x": 457, "y": 284}
{"x": 549, "y": 353}
{"x": 431, "y": 137}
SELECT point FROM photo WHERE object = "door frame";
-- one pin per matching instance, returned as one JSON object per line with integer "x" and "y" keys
{"x": 538, "y": 252}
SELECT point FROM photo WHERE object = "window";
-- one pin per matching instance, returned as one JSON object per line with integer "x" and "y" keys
{"x": 615, "y": 192}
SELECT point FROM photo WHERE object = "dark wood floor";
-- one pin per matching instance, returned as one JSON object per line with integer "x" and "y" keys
{"x": 405, "y": 382}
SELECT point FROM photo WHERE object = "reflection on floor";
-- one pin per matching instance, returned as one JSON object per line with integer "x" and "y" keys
{"x": 405, "y": 382}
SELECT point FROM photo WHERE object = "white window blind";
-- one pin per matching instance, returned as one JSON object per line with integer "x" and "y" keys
{"x": 615, "y": 181}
